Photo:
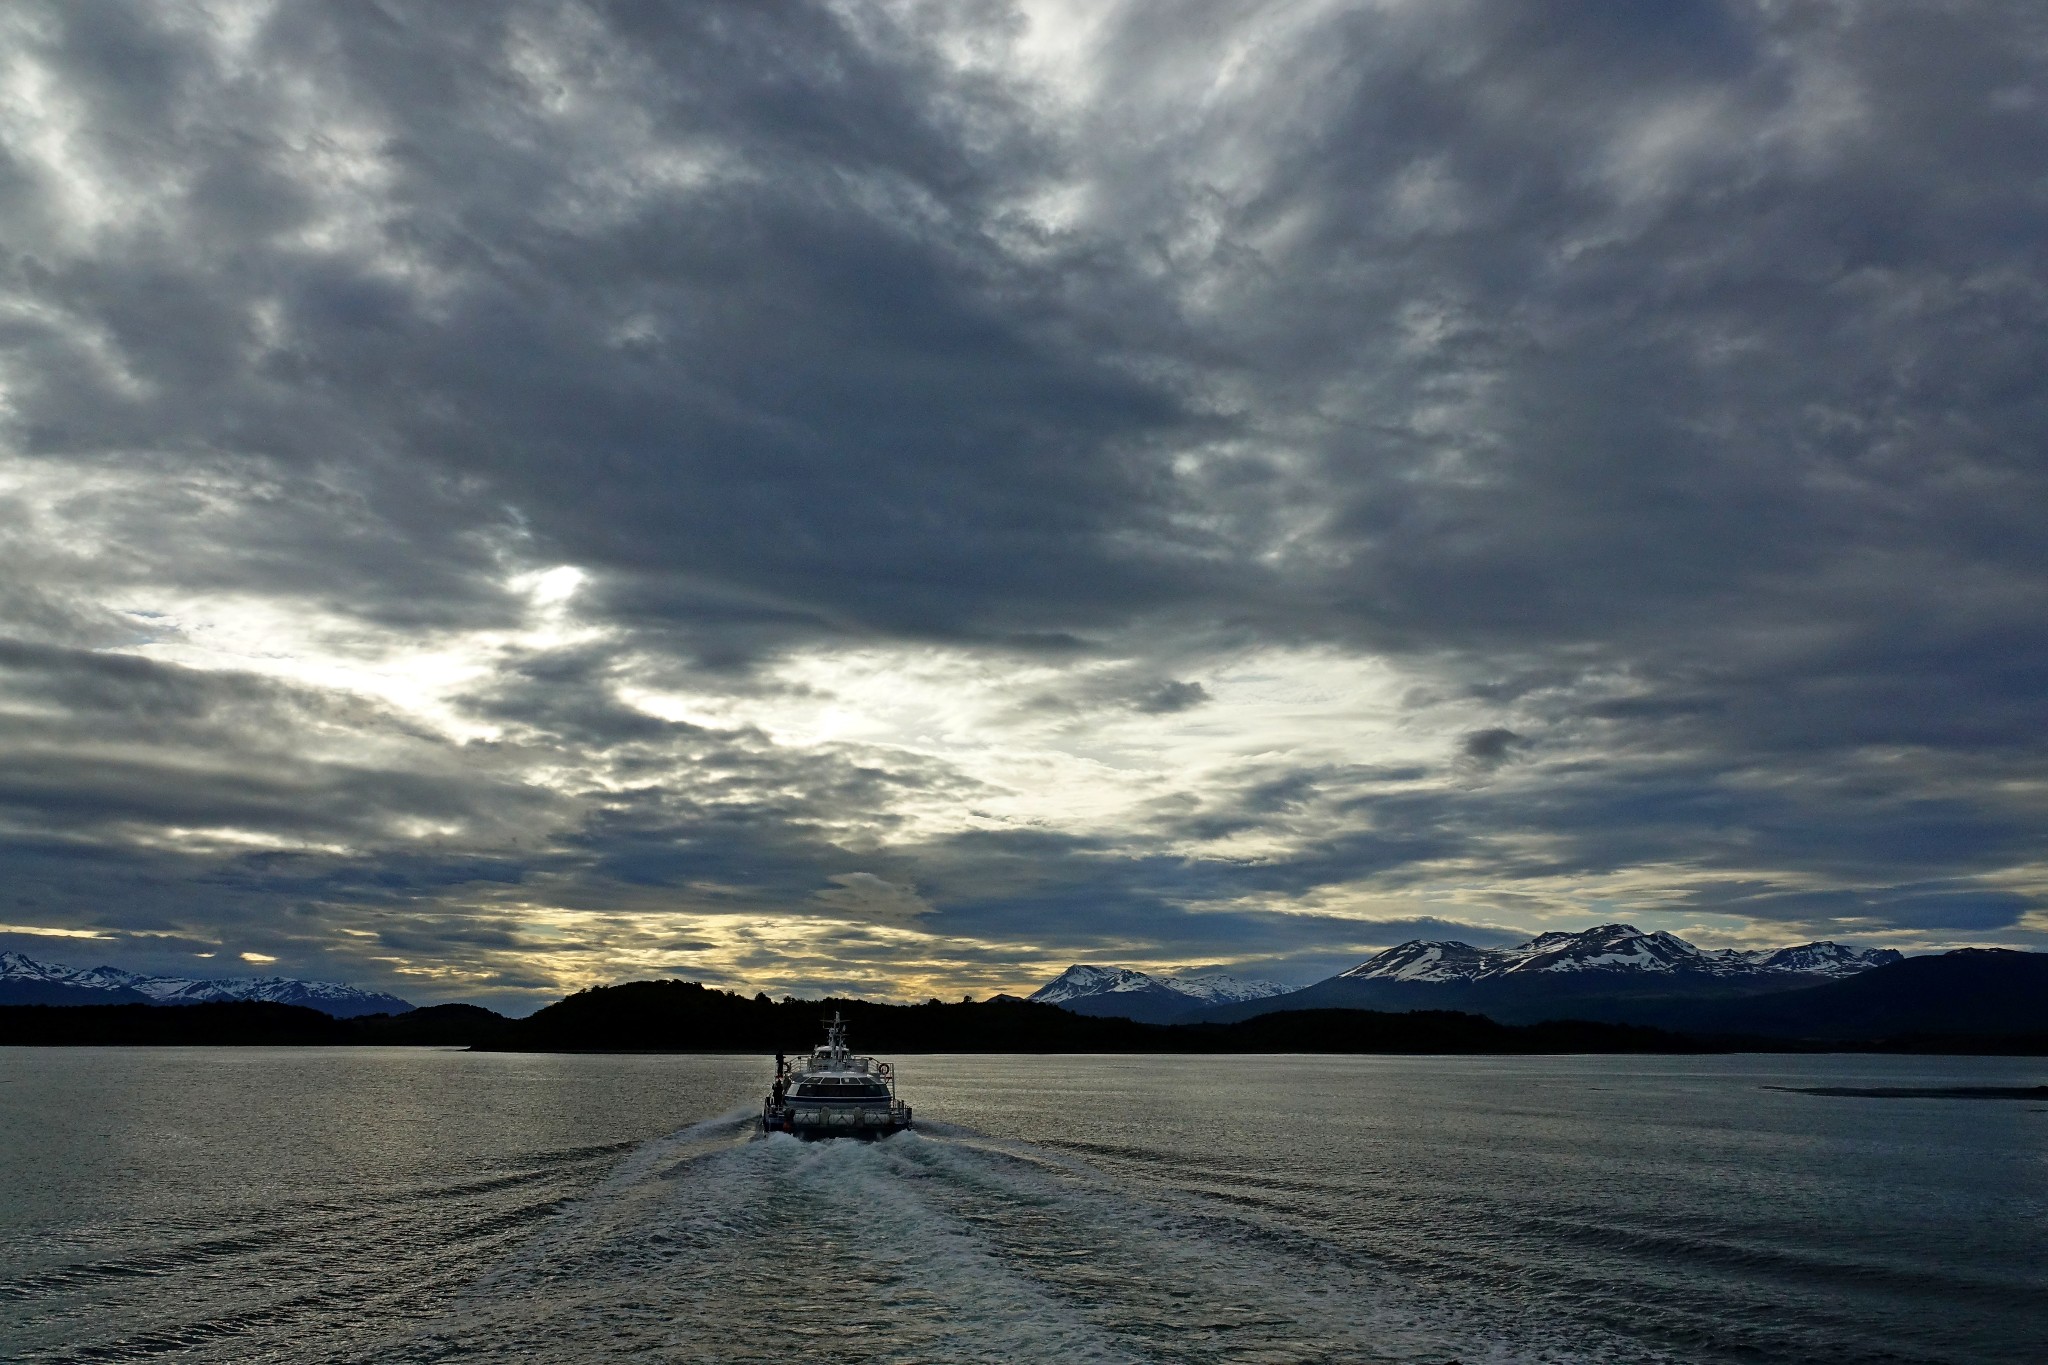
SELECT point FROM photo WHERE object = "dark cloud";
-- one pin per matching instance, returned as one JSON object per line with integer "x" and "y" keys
{"x": 1492, "y": 747}
{"x": 1172, "y": 696}
{"x": 1659, "y": 381}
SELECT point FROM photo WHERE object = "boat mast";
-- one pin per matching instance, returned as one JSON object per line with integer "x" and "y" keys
{"x": 836, "y": 1036}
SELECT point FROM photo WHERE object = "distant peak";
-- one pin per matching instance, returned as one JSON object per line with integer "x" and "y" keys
{"x": 1609, "y": 948}
{"x": 1083, "y": 980}
{"x": 332, "y": 997}
{"x": 1425, "y": 960}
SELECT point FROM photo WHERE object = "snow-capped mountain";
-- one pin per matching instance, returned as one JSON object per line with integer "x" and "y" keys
{"x": 1126, "y": 992}
{"x": 23, "y": 980}
{"x": 1423, "y": 960}
{"x": 1552, "y": 975}
{"x": 1614, "y": 972}
{"x": 1821, "y": 959}
{"x": 1612, "y": 948}
{"x": 1078, "y": 981}
{"x": 1211, "y": 988}
{"x": 1218, "y": 988}
{"x": 21, "y": 967}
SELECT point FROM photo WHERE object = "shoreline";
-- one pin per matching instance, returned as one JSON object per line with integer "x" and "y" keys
{"x": 729, "y": 1025}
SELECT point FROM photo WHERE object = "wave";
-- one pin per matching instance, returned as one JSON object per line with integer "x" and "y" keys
{"x": 288, "y": 1278}
{"x": 936, "y": 1244}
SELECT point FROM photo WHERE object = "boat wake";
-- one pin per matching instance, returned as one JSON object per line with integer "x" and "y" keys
{"x": 934, "y": 1244}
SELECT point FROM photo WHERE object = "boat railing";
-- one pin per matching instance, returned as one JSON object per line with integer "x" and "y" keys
{"x": 850, "y": 1113}
{"x": 856, "y": 1066}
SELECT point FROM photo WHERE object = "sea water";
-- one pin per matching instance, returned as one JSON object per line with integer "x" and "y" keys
{"x": 417, "y": 1205}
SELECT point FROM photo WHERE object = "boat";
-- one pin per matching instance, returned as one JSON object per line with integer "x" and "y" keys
{"x": 834, "y": 1093}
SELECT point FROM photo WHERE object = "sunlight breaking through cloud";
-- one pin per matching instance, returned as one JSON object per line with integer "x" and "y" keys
{"x": 902, "y": 498}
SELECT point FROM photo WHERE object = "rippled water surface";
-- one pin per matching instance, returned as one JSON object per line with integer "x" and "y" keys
{"x": 402, "y": 1205}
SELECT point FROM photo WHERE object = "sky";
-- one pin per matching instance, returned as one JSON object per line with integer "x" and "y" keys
{"x": 900, "y": 497}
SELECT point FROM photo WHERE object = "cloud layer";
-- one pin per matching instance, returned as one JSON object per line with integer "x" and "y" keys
{"x": 903, "y": 496}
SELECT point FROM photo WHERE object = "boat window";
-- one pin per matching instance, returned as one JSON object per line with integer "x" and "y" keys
{"x": 842, "y": 1090}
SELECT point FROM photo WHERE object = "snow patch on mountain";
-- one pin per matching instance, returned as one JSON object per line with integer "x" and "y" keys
{"x": 1219, "y": 988}
{"x": 1427, "y": 960}
{"x": 331, "y": 997}
{"x": 1210, "y": 988}
{"x": 21, "y": 967}
{"x": 1822, "y": 959}
{"x": 1612, "y": 947}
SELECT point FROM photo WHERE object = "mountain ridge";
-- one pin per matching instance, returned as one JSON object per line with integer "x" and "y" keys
{"x": 1614, "y": 972}
{"x": 1549, "y": 976}
{"x": 25, "y": 981}
{"x": 1971, "y": 1001}
{"x": 1611, "y": 947}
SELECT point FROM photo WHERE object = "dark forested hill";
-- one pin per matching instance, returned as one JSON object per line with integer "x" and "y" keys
{"x": 661, "y": 1016}
{"x": 1971, "y": 991}
{"x": 252, "y": 1023}
{"x": 1983, "y": 992}
{"x": 683, "y": 1016}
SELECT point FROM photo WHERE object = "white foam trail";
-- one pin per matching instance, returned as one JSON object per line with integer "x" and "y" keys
{"x": 938, "y": 1244}
{"x": 658, "y": 1156}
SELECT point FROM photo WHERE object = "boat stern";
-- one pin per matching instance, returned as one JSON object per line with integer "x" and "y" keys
{"x": 835, "y": 1120}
